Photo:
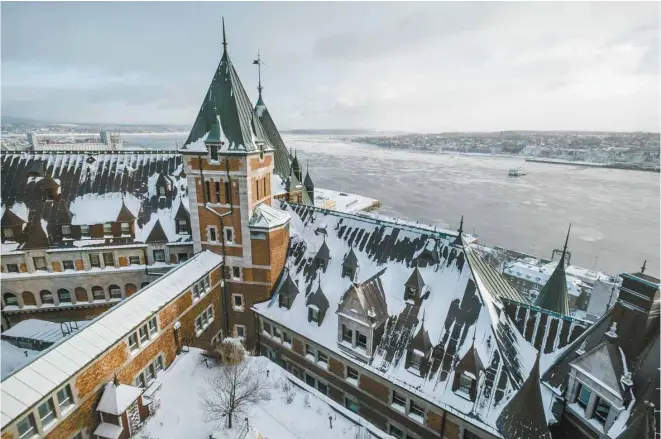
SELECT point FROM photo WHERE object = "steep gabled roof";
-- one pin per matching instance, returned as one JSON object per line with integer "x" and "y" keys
{"x": 415, "y": 281}
{"x": 182, "y": 213}
{"x": 523, "y": 417}
{"x": 553, "y": 296}
{"x": 308, "y": 180}
{"x": 421, "y": 341}
{"x": 157, "y": 233}
{"x": 125, "y": 215}
{"x": 605, "y": 362}
{"x": 324, "y": 253}
{"x": 281, "y": 155}
{"x": 267, "y": 217}
{"x": 226, "y": 114}
{"x": 350, "y": 260}
{"x": 318, "y": 299}
{"x": 116, "y": 399}
{"x": 10, "y": 219}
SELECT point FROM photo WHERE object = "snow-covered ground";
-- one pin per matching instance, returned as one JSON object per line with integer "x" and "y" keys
{"x": 12, "y": 357}
{"x": 342, "y": 201}
{"x": 181, "y": 415}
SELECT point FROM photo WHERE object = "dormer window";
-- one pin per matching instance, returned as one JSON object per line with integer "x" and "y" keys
{"x": 182, "y": 227}
{"x": 347, "y": 272}
{"x": 213, "y": 152}
{"x": 411, "y": 294}
{"x": 601, "y": 411}
{"x": 66, "y": 229}
{"x": 8, "y": 232}
{"x": 465, "y": 383}
{"x": 583, "y": 396}
{"x": 48, "y": 194}
{"x": 284, "y": 301}
{"x": 126, "y": 228}
{"x": 161, "y": 191}
{"x": 107, "y": 228}
{"x": 416, "y": 360}
{"x": 85, "y": 230}
{"x": 313, "y": 313}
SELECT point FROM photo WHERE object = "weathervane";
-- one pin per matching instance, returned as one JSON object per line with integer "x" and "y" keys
{"x": 259, "y": 64}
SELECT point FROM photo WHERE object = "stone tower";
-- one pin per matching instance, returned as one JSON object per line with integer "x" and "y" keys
{"x": 229, "y": 165}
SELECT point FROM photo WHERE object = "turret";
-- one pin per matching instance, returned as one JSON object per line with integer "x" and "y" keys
{"x": 309, "y": 185}
{"x": 296, "y": 168}
{"x": 553, "y": 296}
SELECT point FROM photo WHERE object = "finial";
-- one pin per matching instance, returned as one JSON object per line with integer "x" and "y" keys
{"x": 461, "y": 225}
{"x": 642, "y": 269}
{"x": 612, "y": 332}
{"x": 258, "y": 61}
{"x": 564, "y": 249}
{"x": 224, "y": 38}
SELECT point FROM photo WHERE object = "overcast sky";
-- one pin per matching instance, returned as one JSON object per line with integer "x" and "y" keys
{"x": 393, "y": 66}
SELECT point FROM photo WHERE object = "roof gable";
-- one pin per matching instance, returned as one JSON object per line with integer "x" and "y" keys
{"x": 116, "y": 399}
{"x": 604, "y": 362}
{"x": 157, "y": 233}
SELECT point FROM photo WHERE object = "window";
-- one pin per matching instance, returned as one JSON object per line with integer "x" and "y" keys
{"x": 198, "y": 324}
{"x": 68, "y": 265}
{"x": 322, "y": 358}
{"x": 46, "y": 297}
{"x": 107, "y": 228}
{"x": 286, "y": 338}
{"x": 398, "y": 400}
{"x": 237, "y": 301}
{"x": 416, "y": 361}
{"x": 240, "y": 330}
{"x": 212, "y": 234}
{"x": 159, "y": 255}
{"x": 144, "y": 334}
{"x": 309, "y": 379}
{"x": 85, "y": 230}
{"x": 277, "y": 333}
{"x": 161, "y": 191}
{"x": 140, "y": 381}
{"x": 236, "y": 273}
{"x": 352, "y": 374}
{"x": 229, "y": 235}
{"x": 158, "y": 364}
{"x": 12, "y": 268}
{"x": 217, "y": 186}
{"x": 361, "y": 340}
{"x": 109, "y": 259}
{"x": 182, "y": 226}
{"x": 10, "y": 299}
{"x": 314, "y": 314}
{"x": 309, "y": 351}
{"x": 95, "y": 260}
{"x": 150, "y": 373}
{"x": 257, "y": 235}
{"x": 583, "y": 396}
{"x": 470, "y": 435}
{"x": 183, "y": 257}
{"x": 266, "y": 327}
{"x": 46, "y": 412}
{"x": 64, "y": 398}
{"x": 205, "y": 281}
{"x": 134, "y": 260}
{"x": 26, "y": 427}
{"x": 416, "y": 410}
{"x": 196, "y": 291}
{"x": 8, "y": 232}
{"x": 213, "y": 151}
{"x": 133, "y": 341}
{"x": 347, "y": 334}
{"x": 66, "y": 229}
{"x": 227, "y": 191}
{"x": 98, "y": 294}
{"x": 208, "y": 191}
{"x": 153, "y": 328}
{"x": 410, "y": 294}
{"x": 126, "y": 228}
{"x": 601, "y": 410}
{"x": 322, "y": 387}
{"x": 39, "y": 263}
{"x": 64, "y": 295}
{"x": 396, "y": 432}
{"x": 115, "y": 292}
{"x": 351, "y": 405}
{"x": 465, "y": 384}
{"x": 48, "y": 194}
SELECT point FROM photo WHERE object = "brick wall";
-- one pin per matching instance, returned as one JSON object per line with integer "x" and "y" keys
{"x": 90, "y": 378}
{"x": 374, "y": 388}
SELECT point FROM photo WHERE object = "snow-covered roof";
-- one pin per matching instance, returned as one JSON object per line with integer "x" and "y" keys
{"x": 93, "y": 189}
{"x": 117, "y": 398}
{"x": 464, "y": 298}
{"x": 267, "y": 217}
{"x": 27, "y": 386}
{"x": 41, "y": 330}
{"x": 108, "y": 431}
{"x": 12, "y": 357}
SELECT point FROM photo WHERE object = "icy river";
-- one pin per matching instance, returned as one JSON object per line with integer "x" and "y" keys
{"x": 614, "y": 213}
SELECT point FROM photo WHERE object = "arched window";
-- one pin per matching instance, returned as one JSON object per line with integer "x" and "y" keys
{"x": 130, "y": 289}
{"x": 10, "y": 299}
{"x": 115, "y": 292}
{"x": 81, "y": 295}
{"x": 28, "y": 299}
{"x": 144, "y": 284}
{"x": 98, "y": 293}
{"x": 46, "y": 297}
{"x": 64, "y": 295}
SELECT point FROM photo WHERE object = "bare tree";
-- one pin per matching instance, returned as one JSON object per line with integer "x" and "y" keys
{"x": 232, "y": 389}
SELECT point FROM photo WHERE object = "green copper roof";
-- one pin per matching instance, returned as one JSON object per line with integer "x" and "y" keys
{"x": 226, "y": 115}
{"x": 553, "y": 296}
{"x": 281, "y": 159}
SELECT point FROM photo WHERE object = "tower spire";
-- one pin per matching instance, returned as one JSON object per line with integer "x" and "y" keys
{"x": 461, "y": 225}
{"x": 224, "y": 38}
{"x": 564, "y": 249}
{"x": 258, "y": 61}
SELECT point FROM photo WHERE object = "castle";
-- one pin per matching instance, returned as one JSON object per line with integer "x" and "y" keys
{"x": 404, "y": 324}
